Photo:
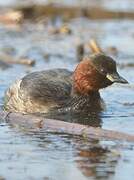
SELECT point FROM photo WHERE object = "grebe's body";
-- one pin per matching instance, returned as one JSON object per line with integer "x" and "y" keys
{"x": 61, "y": 89}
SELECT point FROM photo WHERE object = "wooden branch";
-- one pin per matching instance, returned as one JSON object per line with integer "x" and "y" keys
{"x": 36, "y": 122}
{"x": 11, "y": 17}
{"x": 94, "y": 46}
{"x": 10, "y": 60}
{"x": 32, "y": 11}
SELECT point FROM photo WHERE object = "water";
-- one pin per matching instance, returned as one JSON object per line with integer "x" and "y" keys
{"x": 39, "y": 155}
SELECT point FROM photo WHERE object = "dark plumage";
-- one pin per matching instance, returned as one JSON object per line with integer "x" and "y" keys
{"x": 50, "y": 85}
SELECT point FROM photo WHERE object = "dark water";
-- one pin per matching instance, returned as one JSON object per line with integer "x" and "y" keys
{"x": 28, "y": 155}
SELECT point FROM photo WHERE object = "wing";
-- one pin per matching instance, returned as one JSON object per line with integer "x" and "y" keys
{"x": 47, "y": 86}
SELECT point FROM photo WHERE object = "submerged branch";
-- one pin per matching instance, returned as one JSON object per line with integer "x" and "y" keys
{"x": 37, "y": 122}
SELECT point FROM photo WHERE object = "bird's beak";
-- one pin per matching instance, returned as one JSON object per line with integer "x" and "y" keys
{"x": 115, "y": 77}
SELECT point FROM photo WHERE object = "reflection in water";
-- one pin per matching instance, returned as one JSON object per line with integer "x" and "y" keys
{"x": 89, "y": 156}
{"x": 92, "y": 119}
{"x": 96, "y": 161}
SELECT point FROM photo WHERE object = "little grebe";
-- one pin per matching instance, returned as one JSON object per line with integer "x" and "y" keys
{"x": 61, "y": 89}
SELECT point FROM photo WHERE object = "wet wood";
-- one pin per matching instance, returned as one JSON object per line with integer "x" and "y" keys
{"x": 34, "y": 11}
{"x": 12, "y": 60}
{"x": 11, "y": 17}
{"x": 94, "y": 46}
{"x": 64, "y": 29}
{"x": 56, "y": 126}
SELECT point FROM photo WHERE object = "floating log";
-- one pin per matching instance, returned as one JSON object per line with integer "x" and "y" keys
{"x": 39, "y": 122}
{"x": 10, "y": 60}
{"x": 11, "y": 17}
{"x": 52, "y": 10}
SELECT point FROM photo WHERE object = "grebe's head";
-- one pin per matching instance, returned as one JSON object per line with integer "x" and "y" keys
{"x": 95, "y": 72}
